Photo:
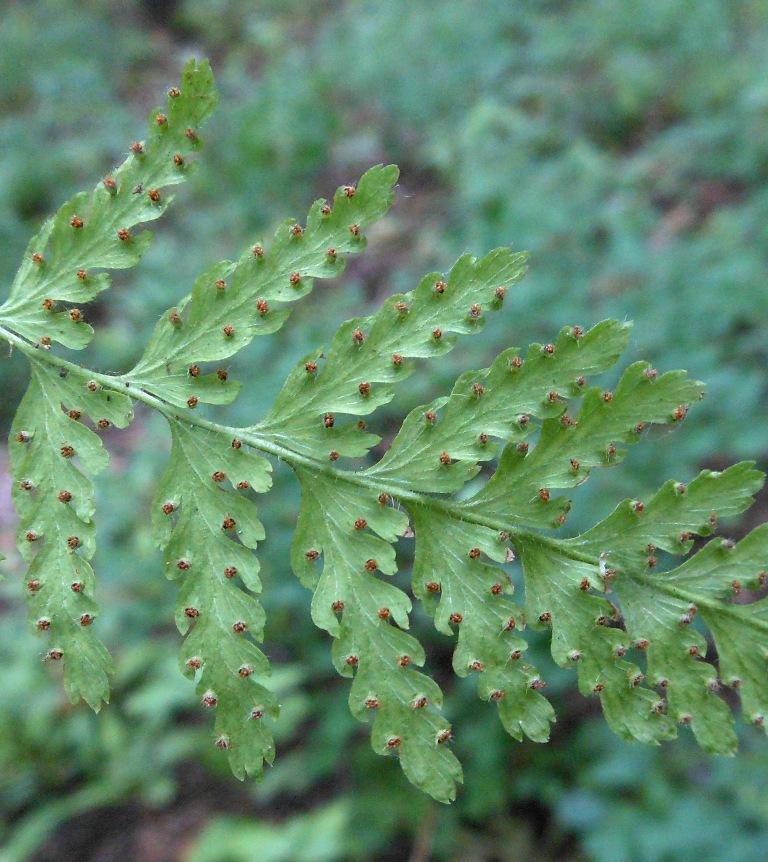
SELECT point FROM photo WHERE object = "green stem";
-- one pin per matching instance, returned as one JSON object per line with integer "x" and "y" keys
{"x": 294, "y": 459}
{"x": 722, "y": 607}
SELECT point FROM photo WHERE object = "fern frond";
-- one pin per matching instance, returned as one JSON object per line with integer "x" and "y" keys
{"x": 53, "y": 497}
{"x": 658, "y": 608}
{"x": 629, "y": 623}
{"x": 205, "y": 547}
{"x": 437, "y": 450}
{"x": 440, "y": 454}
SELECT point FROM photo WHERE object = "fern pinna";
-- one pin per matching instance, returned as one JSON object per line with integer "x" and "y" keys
{"x": 619, "y": 611}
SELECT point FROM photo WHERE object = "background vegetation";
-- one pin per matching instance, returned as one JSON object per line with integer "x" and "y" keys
{"x": 626, "y": 145}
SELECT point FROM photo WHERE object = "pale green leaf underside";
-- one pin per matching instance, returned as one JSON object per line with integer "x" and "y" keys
{"x": 49, "y": 450}
{"x": 368, "y": 355}
{"x": 207, "y": 525}
{"x": 437, "y": 450}
{"x": 498, "y": 402}
{"x": 657, "y": 609}
{"x": 467, "y": 595}
{"x": 234, "y": 302}
{"x": 342, "y": 540}
{"x": 86, "y": 233}
{"x": 568, "y": 447}
{"x": 619, "y": 613}
{"x": 49, "y": 437}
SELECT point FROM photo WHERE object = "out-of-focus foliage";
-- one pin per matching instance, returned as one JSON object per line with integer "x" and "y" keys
{"x": 622, "y": 144}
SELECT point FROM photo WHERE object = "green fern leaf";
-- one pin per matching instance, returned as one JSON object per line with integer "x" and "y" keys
{"x": 567, "y": 447}
{"x": 93, "y": 231}
{"x": 368, "y": 352}
{"x": 221, "y": 317}
{"x": 659, "y": 607}
{"x": 466, "y": 595}
{"x": 54, "y": 498}
{"x": 498, "y": 402}
{"x": 205, "y": 548}
{"x": 55, "y": 503}
{"x": 352, "y": 531}
{"x": 627, "y": 619}
{"x": 207, "y": 527}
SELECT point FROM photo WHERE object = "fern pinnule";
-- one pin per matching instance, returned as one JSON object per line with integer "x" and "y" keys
{"x": 368, "y": 355}
{"x": 232, "y": 303}
{"x": 470, "y": 598}
{"x": 55, "y": 502}
{"x": 343, "y": 538}
{"x": 497, "y": 402}
{"x": 568, "y": 448}
{"x": 94, "y": 231}
{"x": 207, "y": 524}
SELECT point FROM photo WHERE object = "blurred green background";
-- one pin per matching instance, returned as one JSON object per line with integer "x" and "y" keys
{"x": 625, "y": 144}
